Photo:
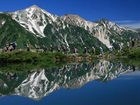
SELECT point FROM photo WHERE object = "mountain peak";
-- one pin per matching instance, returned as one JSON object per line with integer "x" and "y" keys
{"x": 103, "y": 20}
{"x": 35, "y": 6}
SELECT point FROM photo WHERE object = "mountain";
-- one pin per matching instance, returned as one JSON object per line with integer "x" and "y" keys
{"x": 38, "y": 27}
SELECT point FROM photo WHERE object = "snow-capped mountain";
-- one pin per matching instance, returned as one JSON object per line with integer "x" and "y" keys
{"x": 36, "y": 26}
{"x": 34, "y": 19}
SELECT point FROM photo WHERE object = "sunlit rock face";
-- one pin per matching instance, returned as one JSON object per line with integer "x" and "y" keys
{"x": 40, "y": 83}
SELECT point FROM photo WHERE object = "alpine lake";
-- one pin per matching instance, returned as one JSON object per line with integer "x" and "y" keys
{"x": 98, "y": 82}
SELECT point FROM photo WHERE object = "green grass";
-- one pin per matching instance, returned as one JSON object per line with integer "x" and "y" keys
{"x": 50, "y": 58}
{"x": 30, "y": 57}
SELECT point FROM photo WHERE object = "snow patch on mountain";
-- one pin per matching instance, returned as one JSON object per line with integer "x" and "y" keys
{"x": 3, "y": 22}
{"x": 101, "y": 34}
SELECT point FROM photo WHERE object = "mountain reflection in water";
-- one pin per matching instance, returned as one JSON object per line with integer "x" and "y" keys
{"x": 39, "y": 83}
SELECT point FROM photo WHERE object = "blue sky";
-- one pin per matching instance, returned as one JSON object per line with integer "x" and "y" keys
{"x": 125, "y": 12}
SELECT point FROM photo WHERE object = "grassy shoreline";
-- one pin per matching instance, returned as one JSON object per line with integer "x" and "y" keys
{"x": 49, "y": 57}
{"x": 28, "y": 57}
{"x": 26, "y": 61}
{"x": 33, "y": 57}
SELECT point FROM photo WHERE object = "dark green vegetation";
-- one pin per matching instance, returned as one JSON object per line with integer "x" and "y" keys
{"x": 50, "y": 58}
{"x": 30, "y": 57}
{"x": 11, "y": 31}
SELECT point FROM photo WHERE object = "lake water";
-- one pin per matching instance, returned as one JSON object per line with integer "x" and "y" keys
{"x": 96, "y": 83}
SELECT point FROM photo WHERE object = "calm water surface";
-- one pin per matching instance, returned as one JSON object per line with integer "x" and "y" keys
{"x": 98, "y": 83}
